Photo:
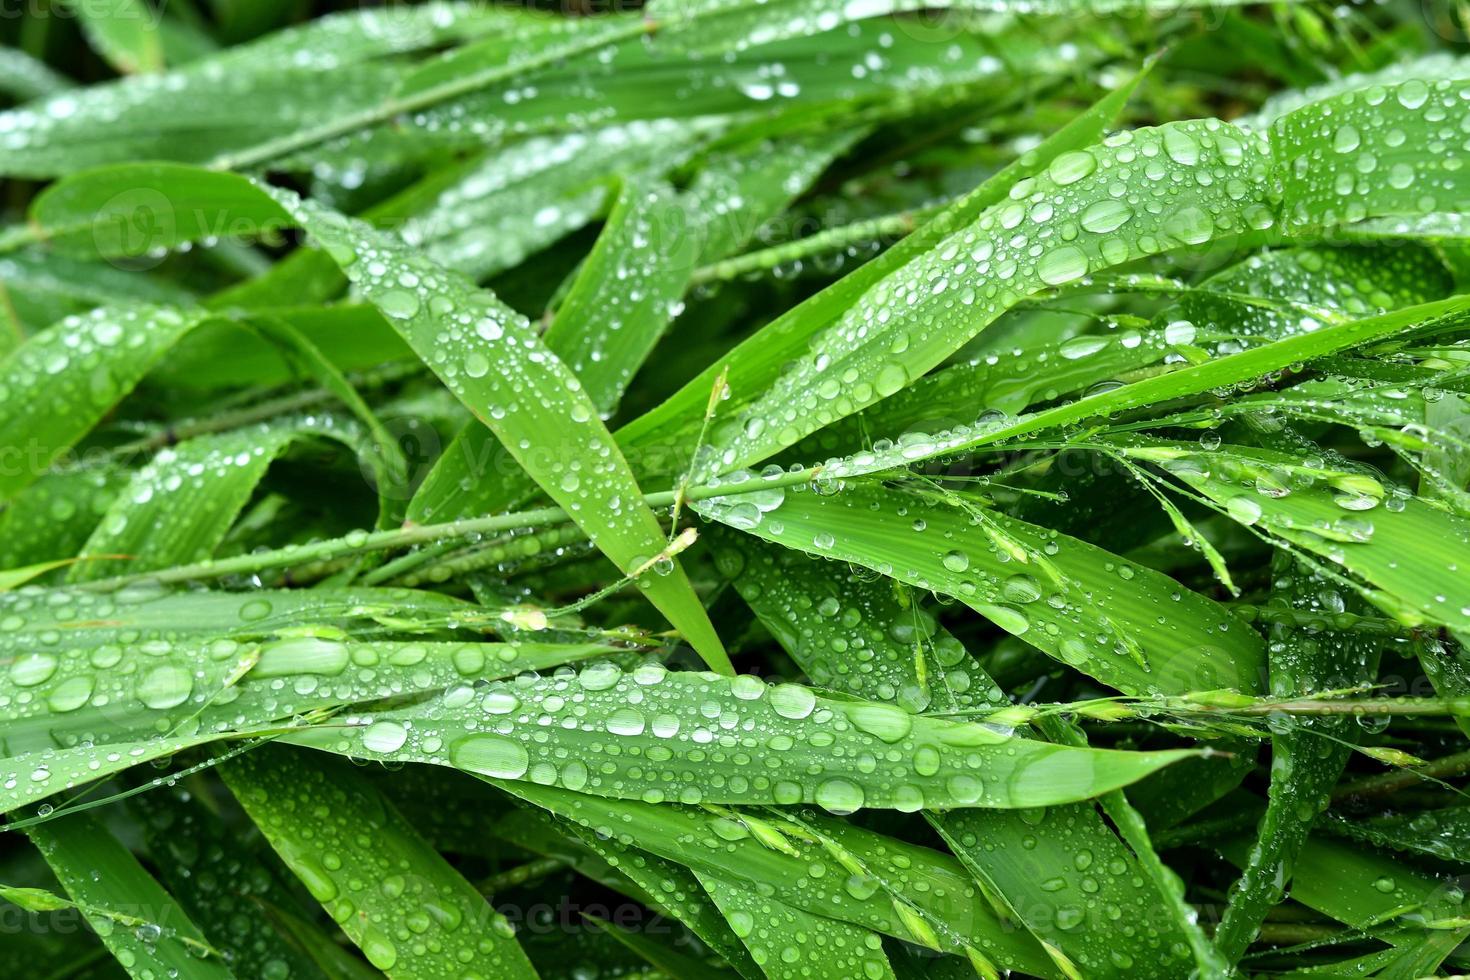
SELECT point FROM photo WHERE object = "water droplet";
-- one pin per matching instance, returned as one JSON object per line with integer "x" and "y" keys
{"x": 384, "y": 737}
{"x": 1245, "y": 509}
{"x": 31, "y": 669}
{"x": 1106, "y": 215}
{"x": 1062, "y": 265}
{"x": 792, "y": 701}
{"x": 884, "y": 721}
{"x": 1013, "y": 621}
{"x": 490, "y": 755}
{"x": 1072, "y": 167}
{"x": 1021, "y": 589}
{"x": 399, "y": 304}
{"x": 165, "y": 686}
{"x": 839, "y": 796}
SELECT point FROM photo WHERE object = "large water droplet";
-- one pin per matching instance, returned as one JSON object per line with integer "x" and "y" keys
{"x": 490, "y": 755}
{"x": 1062, "y": 265}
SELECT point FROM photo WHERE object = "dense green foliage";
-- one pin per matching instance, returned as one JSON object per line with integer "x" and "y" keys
{"x": 797, "y": 489}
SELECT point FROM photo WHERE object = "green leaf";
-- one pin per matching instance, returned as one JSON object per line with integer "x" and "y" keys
{"x": 889, "y": 758}
{"x": 783, "y": 860}
{"x": 670, "y": 961}
{"x": 1245, "y": 366}
{"x": 1342, "y": 516}
{"x": 62, "y": 381}
{"x": 789, "y": 942}
{"x": 906, "y": 324}
{"x": 138, "y": 921}
{"x": 627, "y": 291}
{"x": 178, "y": 508}
{"x": 1307, "y": 756}
{"x": 531, "y": 400}
{"x": 1122, "y": 623}
{"x": 867, "y": 638}
{"x": 23, "y": 77}
{"x": 661, "y": 883}
{"x": 755, "y": 364}
{"x": 230, "y": 890}
{"x": 237, "y": 98}
{"x": 418, "y": 916}
{"x": 126, "y": 33}
{"x": 1443, "y": 833}
{"x": 1051, "y": 869}
{"x": 148, "y": 664}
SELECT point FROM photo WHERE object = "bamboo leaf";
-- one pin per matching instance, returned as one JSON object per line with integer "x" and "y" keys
{"x": 155, "y": 525}
{"x": 219, "y": 663}
{"x": 944, "y": 899}
{"x": 420, "y": 917}
{"x": 890, "y": 759}
{"x": 789, "y": 942}
{"x": 755, "y": 364}
{"x": 60, "y": 382}
{"x": 138, "y": 921}
{"x": 1307, "y": 758}
{"x": 230, "y": 891}
{"x": 582, "y": 469}
{"x": 1051, "y": 869}
{"x": 1094, "y": 611}
{"x": 1344, "y": 517}
{"x": 126, "y": 34}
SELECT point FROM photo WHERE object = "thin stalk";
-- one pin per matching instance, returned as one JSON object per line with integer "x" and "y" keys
{"x": 827, "y": 240}
{"x": 1373, "y": 706}
{"x": 1230, "y": 703}
{"x": 272, "y": 149}
{"x": 506, "y": 550}
{"x": 1300, "y": 617}
{"x": 1447, "y": 767}
{"x": 1134, "y": 831}
{"x": 1203, "y": 831}
{"x": 519, "y": 875}
{"x": 259, "y": 412}
{"x": 361, "y": 542}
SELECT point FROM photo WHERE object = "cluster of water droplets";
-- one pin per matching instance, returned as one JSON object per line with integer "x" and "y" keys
{"x": 867, "y": 58}
{"x": 696, "y": 737}
{"x": 1315, "y": 287}
{"x": 1106, "y": 616}
{"x": 1386, "y": 149}
{"x": 848, "y": 631}
{"x": 1255, "y": 490}
{"x": 1140, "y": 193}
{"x": 94, "y": 682}
{"x": 525, "y": 196}
{"x": 852, "y": 875}
{"x": 206, "y": 863}
{"x": 57, "y": 384}
{"x": 493, "y": 360}
{"x": 364, "y": 864}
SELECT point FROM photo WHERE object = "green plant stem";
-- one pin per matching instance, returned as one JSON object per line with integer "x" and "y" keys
{"x": 521, "y": 874}
{"x": 1285, "y": 933}
{"x": 827, "y": 240}
{"x": 259, "y": 412}
{"x": 1300, "y": 617}
{"x": 1364, "y": 708}
{"x": 1444, "y": 768}
{"x": 508, "y": 549}
{"x": 272, "y": 149}
{"x": 1203, "y": 831}
{"x": 359, "y": 542}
